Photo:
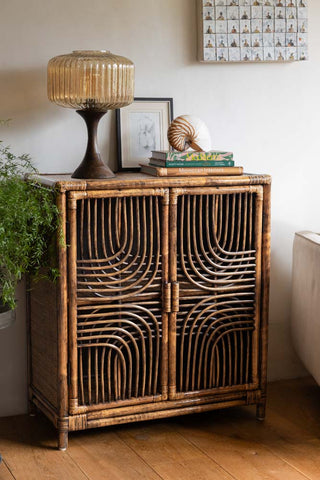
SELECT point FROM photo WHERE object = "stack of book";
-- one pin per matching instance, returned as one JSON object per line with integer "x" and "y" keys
{"x": 165, "y": 163}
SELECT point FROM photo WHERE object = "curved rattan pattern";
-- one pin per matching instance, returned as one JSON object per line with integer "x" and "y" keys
{"x": 118, "y": 253}
{"x": 215, "y": 249}
{"x": 216, "y": 259}
{"x": 119, "y": 352}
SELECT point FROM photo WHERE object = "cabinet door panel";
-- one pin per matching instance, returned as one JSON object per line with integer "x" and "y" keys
{"x": 218, "y": 271}
{"x": 118, "y": 263}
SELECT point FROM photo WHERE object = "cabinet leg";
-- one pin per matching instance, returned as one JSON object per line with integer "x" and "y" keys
{"x": 261, "y": 410}
{"x": 63, "y": 441}
{"x": 32, "y": 409}
{"x": 63, "y": 434}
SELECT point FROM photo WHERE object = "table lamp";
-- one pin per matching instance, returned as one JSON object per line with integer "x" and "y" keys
{"x": 93, "y": 82}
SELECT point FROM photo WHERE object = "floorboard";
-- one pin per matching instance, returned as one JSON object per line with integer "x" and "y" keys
{"x": 102, "y": 455}
{"x": 220, "y": 445}
{"x": 28, "y": 447}
{"x": 243, "y": 457}
{"x": 171, "y": 455}
{"x": 4, "y": 472}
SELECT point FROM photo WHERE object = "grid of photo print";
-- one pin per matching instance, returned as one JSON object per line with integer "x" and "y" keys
{"x": 254, "y": 30}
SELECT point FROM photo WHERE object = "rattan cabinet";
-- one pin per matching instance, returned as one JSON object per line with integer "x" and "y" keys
{"x": 162, "y": 302}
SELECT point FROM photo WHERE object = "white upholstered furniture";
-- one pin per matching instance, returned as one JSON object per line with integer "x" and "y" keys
{"x": 305, "y": 310}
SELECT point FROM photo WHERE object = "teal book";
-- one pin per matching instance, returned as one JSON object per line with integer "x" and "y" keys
{"x": 184, "y": 163}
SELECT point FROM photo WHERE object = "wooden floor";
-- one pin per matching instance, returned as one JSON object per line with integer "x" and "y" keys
{"x": 220, "y": 445}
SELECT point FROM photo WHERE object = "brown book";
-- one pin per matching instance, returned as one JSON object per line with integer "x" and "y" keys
{"x": 196, "y": 171}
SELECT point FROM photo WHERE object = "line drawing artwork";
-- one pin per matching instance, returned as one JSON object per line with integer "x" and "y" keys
{"x": 142, "y": 128}
{"x": 145, "y": 134}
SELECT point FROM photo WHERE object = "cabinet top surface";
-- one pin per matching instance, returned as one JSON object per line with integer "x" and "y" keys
{"x": 64, "y": 182}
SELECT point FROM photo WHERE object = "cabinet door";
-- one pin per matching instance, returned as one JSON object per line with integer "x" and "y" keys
{"x": 215, "y": 270}
{"x": 118, "y": 262}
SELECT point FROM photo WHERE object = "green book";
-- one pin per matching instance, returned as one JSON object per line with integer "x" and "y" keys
{"x": 184, "y": 163}
{"x": 192, "y": 156}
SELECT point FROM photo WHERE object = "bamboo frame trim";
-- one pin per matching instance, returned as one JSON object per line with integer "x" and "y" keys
{"x": 265, "y": 287}
{"x": 72, "y": 310}
{"x": 258, "y": 245}
{"x": 216, "y": 391}
{"x": 119, "y": 404}
{"x": 173, "y": 412}
{"x": 122, "y": 411}
{"x": 62, "y": 386}
{"x": 65, "y": 183}
{"x": 147, "y": 192}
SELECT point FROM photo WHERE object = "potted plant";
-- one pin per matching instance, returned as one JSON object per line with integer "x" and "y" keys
{"x": 28, "y": 219}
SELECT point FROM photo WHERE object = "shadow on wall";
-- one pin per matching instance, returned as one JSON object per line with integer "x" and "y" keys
{"x": 283, "y": 361}
{"x": 24, "y": 97}
{"x": 108, "y": 140}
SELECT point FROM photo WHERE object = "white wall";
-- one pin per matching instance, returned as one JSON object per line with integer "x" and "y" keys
{"x": 266, "y": 113}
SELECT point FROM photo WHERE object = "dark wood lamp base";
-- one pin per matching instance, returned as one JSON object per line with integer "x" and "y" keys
{"x": 92, "y": 166}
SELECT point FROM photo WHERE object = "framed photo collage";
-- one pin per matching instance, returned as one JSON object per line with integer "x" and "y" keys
{"x": 253, "y": 30}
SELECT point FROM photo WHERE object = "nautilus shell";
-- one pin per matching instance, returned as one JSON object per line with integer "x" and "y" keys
{"x": 188, "y": 131}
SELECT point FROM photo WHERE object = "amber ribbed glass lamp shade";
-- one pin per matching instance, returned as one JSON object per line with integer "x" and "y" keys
{"x": 92, "y": 82}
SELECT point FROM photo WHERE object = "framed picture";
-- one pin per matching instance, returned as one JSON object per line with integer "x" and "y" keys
{"x": 252, "y": 30}
{"x": 141, "y": 128}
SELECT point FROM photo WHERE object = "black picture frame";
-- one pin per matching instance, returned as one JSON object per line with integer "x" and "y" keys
{"x": 127, "y": 161}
